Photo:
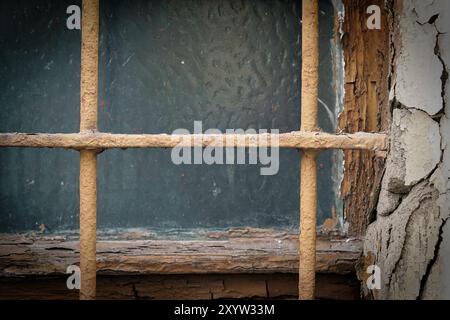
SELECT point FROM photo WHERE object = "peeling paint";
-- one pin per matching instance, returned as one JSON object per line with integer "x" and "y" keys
{"x": 410, "y": 237}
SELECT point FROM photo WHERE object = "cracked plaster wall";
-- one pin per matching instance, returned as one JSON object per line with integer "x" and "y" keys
{"x": 410, "y": 238}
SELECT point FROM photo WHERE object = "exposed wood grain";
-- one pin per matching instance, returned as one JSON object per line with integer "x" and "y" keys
{"x": 233, "y": 252}
{"x": 299, "y": 140}
{"x": 366, "y": 108}
{"x": 183, "y": 287}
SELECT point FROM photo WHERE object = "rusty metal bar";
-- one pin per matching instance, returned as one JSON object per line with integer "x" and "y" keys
{"x": 308, "y": 169}
{"x": 98, "y": 140}
{"x": 88, "y": 224}
{"x": 88, "y": 158}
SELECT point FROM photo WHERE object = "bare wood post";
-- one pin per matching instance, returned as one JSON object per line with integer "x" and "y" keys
{"x": 88, "y": 158}
{"x": 308, "y": 174}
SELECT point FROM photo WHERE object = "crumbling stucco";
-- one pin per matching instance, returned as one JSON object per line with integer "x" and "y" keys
{"x": 415, "y": 153}
{"x": 418, "y": 69}
{"x": 410, "y": 239}
{"x": 415, "y": 149}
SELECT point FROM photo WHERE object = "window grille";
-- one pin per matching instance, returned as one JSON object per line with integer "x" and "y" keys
{"x": 89, "y": 142}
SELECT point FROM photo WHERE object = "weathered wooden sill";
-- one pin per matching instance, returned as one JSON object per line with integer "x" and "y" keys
{"x": 234, "y": 252}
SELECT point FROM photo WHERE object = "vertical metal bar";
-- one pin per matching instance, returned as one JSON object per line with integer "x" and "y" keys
{"x": 308, "y": 209}
{"x": 89, "y": 65}
{"x": 88, "y": 158}
{"x": 88, "y": 224}
{"x": 308, "y": 174}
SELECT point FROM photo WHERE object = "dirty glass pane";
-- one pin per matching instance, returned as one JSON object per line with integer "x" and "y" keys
{"x": 163, "y": 65}
{"x": 39, "y": 67}
{"x": 39, "y": 92}
{"x": 38, "y": 189}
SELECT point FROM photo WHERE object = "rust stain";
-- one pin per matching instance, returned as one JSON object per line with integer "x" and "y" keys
{"x": 330, "y": 224}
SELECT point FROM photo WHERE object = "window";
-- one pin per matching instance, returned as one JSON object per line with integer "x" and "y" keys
{"x": 163, "y": 66}
{"x": 160, "y": 71}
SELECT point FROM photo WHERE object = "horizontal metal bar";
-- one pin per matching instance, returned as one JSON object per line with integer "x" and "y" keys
{"x": 98, "y": 140}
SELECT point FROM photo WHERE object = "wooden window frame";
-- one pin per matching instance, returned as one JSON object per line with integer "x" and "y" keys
{"x": 236, "y": 251}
